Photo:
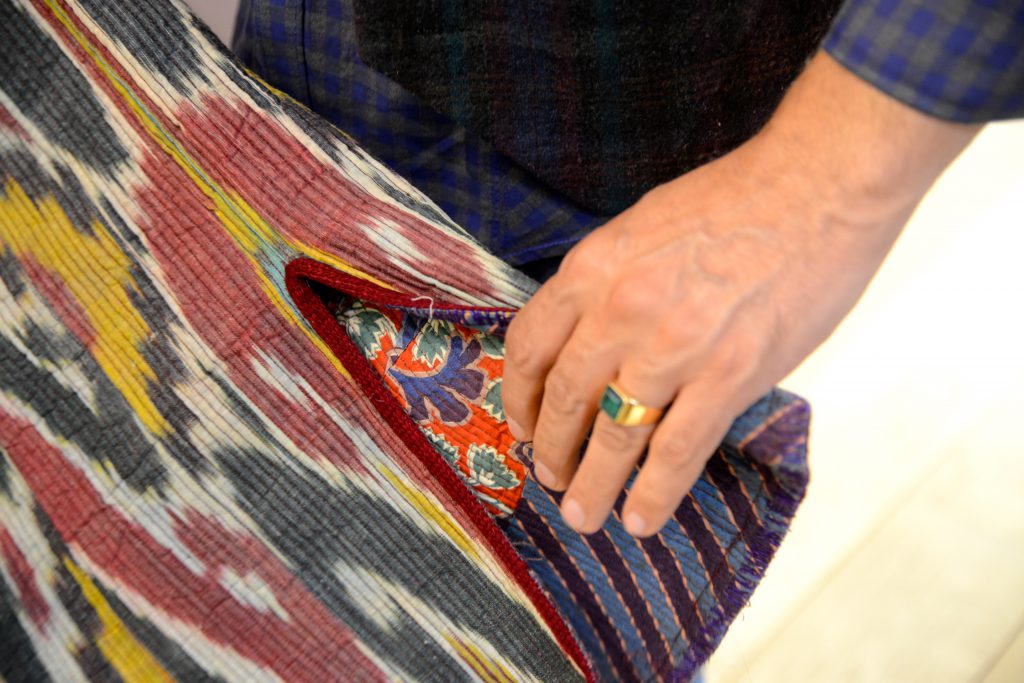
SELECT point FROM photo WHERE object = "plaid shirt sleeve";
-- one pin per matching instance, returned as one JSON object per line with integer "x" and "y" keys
{"x": 961, "y": 60}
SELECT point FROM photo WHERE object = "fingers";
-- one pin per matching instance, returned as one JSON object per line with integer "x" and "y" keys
{"x": 573, "y": 338}
{"x": 532, "y": 343}
{"x": 603, "y": 471}
{"x": 572, "y": 390}
{"x": 541, "y": 330}
{"x": 682, "y": 443}
{"x": 612, "y": 452}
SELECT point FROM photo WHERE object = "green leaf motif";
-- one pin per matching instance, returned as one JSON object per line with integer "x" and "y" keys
{"x": 366, "y": 327}
{"x": 431, "y": 343}
{"x": 493, "y": 345}
{"x": 488, "y": 468}
{"x": 492, "y": 401}
{"x": 447, "y": 451}
{"x": 502, "y": 509}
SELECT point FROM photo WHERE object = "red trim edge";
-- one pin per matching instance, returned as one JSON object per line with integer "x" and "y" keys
{"x": 299, "y": 273}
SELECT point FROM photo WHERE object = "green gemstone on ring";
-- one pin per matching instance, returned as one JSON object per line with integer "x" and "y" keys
{"x": 611, "y": 402}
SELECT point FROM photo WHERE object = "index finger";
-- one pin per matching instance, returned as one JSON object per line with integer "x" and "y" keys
{"x": 534, "y": 338}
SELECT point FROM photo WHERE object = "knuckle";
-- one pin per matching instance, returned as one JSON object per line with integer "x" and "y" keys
{"x": 632, "y": 296}
{"x": 736, "y": 362}
{"x": 561, "y": 394}
{"x": 565, "y": 292}
{"x": 672, "y": 448}
{"x": 518, "y": 354}
{"x": 616, "y": 437}
{"x": 562, "y": 289}
{"x": 656, "y": 370}
{"x": 595, "y": 254}
{"x": 726, "y": 363}
{"x": 582, "y": 261}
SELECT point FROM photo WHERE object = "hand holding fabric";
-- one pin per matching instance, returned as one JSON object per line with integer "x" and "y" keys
{"x": 711, "y": 289}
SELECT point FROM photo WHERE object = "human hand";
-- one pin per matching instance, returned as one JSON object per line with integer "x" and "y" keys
{"x": 710, "y": 289}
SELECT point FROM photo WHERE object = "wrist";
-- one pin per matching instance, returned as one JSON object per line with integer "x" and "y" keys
{"x": 855, "y": 151}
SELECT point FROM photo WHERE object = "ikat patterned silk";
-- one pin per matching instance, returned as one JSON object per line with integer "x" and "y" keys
{"x": 250, "y": 405}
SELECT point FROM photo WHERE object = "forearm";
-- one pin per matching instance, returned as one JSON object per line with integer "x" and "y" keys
{"x": 851, "y": 164}
{"x": 856, "y": 148}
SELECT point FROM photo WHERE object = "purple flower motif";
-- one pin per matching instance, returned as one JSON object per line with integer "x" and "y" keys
{"x": 449, "y": 388}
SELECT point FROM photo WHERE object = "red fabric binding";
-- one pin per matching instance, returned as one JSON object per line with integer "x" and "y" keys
{"x": 299, "y": 274}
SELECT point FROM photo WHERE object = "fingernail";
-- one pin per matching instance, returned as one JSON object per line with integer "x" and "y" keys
{"x": 634, "y": 524}
{"x": 544, "y": 475}
{"x": 572, "y": 513}
{"x": 516, "y": 430}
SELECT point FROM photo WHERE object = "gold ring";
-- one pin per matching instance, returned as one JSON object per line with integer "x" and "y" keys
{"x": 623, "y": 409}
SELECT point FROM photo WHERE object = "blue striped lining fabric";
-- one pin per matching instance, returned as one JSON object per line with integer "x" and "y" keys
{"x": 641, "y": 609}
{"x": 638, "y": 605}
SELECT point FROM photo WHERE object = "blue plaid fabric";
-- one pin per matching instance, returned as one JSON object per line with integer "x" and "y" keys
{"x": 308, "y": 49}
{"x": 961, "y": 60}
{"x": 957, "y": 59}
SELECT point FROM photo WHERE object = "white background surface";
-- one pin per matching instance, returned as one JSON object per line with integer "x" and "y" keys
{"x": 906, "y": 561}
{"x": 218, "y": 15}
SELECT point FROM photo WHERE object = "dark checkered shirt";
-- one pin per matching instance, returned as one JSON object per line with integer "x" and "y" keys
{"x": 308, "y": 50}
{"x": 961, "y": 60}
{"x": 956, "y": 59}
